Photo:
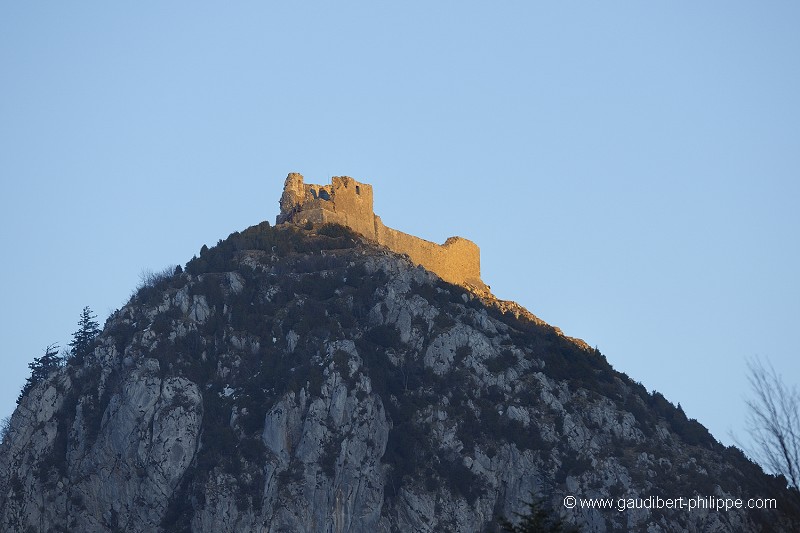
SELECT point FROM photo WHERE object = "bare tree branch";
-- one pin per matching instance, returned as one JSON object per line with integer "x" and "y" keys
{"x": 773, "y": 421}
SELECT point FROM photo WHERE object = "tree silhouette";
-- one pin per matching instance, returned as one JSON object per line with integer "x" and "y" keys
{"x": 773, "y": 421}
{"x": 41, "y": 368}
{"x": 83, "y": 340}
{"x": 537, "y": 520}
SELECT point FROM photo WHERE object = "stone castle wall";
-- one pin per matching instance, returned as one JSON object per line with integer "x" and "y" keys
{"x": 350, "y": 203}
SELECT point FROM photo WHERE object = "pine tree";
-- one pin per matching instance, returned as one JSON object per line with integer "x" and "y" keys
{"x": 83, "y": 339}
{"x": 538, "y": 520}
{"x": 41, "y": 368}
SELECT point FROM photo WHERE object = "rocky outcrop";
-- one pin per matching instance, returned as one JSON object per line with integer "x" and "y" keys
{"x": 118, "y": 475}
{"x": 295, "y": 380}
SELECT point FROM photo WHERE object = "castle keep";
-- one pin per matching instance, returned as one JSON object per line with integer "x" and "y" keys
{"x": 349, "y": 203}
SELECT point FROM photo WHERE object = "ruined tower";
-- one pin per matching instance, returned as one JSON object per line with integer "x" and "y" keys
{"x": 349, "y": 203}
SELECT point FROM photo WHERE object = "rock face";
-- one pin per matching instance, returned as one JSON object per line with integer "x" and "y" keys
{"x": 307, "y": 380}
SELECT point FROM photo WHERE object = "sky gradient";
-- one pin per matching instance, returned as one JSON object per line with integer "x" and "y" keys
{"x": 631, "y": 171}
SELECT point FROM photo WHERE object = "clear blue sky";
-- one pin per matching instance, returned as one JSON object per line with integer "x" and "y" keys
{"x": 631, "y": 170}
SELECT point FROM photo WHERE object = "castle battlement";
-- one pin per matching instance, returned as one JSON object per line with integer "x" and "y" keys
{"x": 349, "y": 203}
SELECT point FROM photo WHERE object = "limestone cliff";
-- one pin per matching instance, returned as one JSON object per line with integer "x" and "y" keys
{"x": 312, "y": 381}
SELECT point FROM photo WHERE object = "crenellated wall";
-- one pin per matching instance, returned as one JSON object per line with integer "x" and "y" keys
{"x": 350, "y": 203}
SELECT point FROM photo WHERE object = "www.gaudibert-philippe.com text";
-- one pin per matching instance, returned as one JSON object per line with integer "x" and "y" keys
{"x": 713, "y": 503}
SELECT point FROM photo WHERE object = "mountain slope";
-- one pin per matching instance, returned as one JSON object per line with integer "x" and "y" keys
{"x": 307, "y": 380}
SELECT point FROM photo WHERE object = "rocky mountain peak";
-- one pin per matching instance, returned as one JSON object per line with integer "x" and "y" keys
{"x": 304, "y": 378}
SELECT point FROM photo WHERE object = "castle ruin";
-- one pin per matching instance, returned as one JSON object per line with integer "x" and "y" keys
{"x": 349, "y": 203}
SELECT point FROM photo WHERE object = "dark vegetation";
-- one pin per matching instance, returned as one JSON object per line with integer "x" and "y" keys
{"x": 41, "y": 367}
{"x": 264, "y": 237}
{"x": 83, "y": 339}
{"x": 81, "y": 345}
{"x": 540, "y": 518}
